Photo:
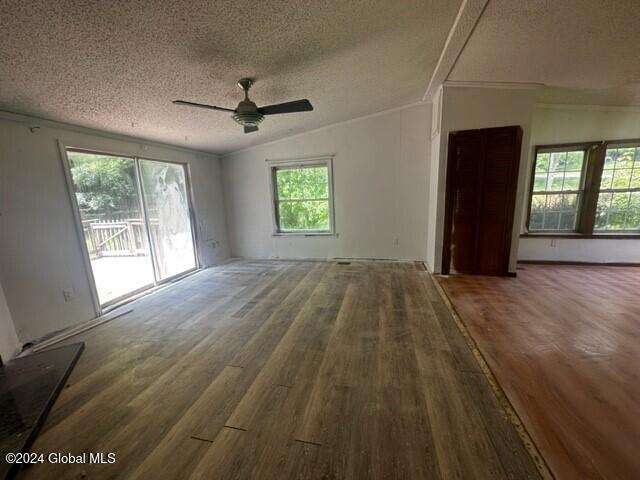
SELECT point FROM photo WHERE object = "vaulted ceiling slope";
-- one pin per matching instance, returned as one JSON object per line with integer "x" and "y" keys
{"x": 583, "y": 51}
{"x": 116, "y": 66}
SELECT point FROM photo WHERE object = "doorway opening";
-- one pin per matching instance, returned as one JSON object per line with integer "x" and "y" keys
{"x": 136, "y": 220}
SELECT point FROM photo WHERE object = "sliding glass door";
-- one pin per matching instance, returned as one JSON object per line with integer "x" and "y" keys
{"x": 166, "y": 201}
{"x": 135, "y": 219}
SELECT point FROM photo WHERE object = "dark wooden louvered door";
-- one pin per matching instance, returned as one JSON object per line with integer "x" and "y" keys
{"x": 466, "y": 169}
{"x": 482, "y": 176}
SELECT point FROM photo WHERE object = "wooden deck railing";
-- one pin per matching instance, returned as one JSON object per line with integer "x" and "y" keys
{"x": 114, "y": 238}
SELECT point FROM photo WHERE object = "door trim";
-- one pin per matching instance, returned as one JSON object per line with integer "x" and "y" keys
{"x": 86, "y": 259}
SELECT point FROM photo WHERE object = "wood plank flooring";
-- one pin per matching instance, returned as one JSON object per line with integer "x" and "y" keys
{"x": 564, "y": 344}
{"x": 284, "y": 370}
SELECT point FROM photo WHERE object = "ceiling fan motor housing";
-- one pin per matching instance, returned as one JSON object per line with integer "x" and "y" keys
{"x": 247, "y": 114}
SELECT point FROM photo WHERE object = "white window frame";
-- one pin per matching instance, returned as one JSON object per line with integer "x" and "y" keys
{"x": 323, "y": 160}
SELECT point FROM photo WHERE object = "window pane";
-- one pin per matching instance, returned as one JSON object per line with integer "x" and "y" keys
{"x": 536, "y": 218}
{"x": 633, "y": 213}
{"x": 569, "y": 211}
{"x": 302, "y": 183}
{"x": 610, "y": 159}
{"x": 554, "y": 202}
{"x": 555, "y": 181}
{"x": 538, "y": 203}
{"x": 542, "y": 162}
{"x": 622, "y": 178}
{"x": 558, "y": 161}
{"x": 552, "y": 213}
{"x": 551, "y": 220}
{"x": 165, "y": 193}
{"x": 304, "y": 215}
{"x": 607, "y": 176}
{"x": 624, "y": 157}
{"x": 567, "y": 220}
{"x": 572, "y": 180}
{"x": 289, "y": 183}
{"x": 635, "y": 179}
{"x": 602, "y": 211}
{"x": 540, "y": 182}
{"x": 315, "y": 182}
{"x": 535, "y": 221}
{"x": 574, "y": 160}
{"x": 616, "y": 220}
{"x": 569, "y": 201}
{"x": 620, "y": 201}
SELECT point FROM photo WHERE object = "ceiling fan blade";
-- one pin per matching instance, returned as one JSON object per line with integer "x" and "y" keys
{"x": 287, "y": 107}
{"x": 250, "y": 129}
{"x": 201, "y": 105}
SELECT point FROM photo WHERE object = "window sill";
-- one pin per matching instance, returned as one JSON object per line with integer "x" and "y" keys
{"x": 584, "y": 236}
{"x": 304, "y": 234}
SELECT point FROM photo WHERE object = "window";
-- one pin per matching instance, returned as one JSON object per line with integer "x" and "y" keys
{"x": 586, "y": 188}
{"x": 619, "y": 198}
{"x": 302, "y": 196}
{"x": 558, "y": 188}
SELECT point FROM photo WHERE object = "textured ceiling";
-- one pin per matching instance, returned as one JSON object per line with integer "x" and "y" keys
{"x": 584, "y": 51}
{"x": 116, "y": 65}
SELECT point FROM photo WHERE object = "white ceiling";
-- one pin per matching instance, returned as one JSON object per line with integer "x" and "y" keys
{"x": 116, "y": 66}
{"x": 583, "y": 51}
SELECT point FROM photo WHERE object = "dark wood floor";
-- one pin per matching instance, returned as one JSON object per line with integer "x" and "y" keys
{"x": 282, "y": 370}
{"x": 564, "y": 343}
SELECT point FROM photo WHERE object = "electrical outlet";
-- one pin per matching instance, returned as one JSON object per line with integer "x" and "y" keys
{"x": 67, "y": 294}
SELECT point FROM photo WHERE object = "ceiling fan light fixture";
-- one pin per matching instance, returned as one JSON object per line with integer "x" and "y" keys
{"x": 248, "y": 119}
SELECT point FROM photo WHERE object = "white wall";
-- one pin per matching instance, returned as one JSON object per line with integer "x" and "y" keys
{"x": 40, "y": 253}
{"x": 465, "y": 108}
{"x": 380, "y": 175}
{"x": 586, "y": 250}
{"x": 8, "y": 339}
{"x": 566, "y": 124}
